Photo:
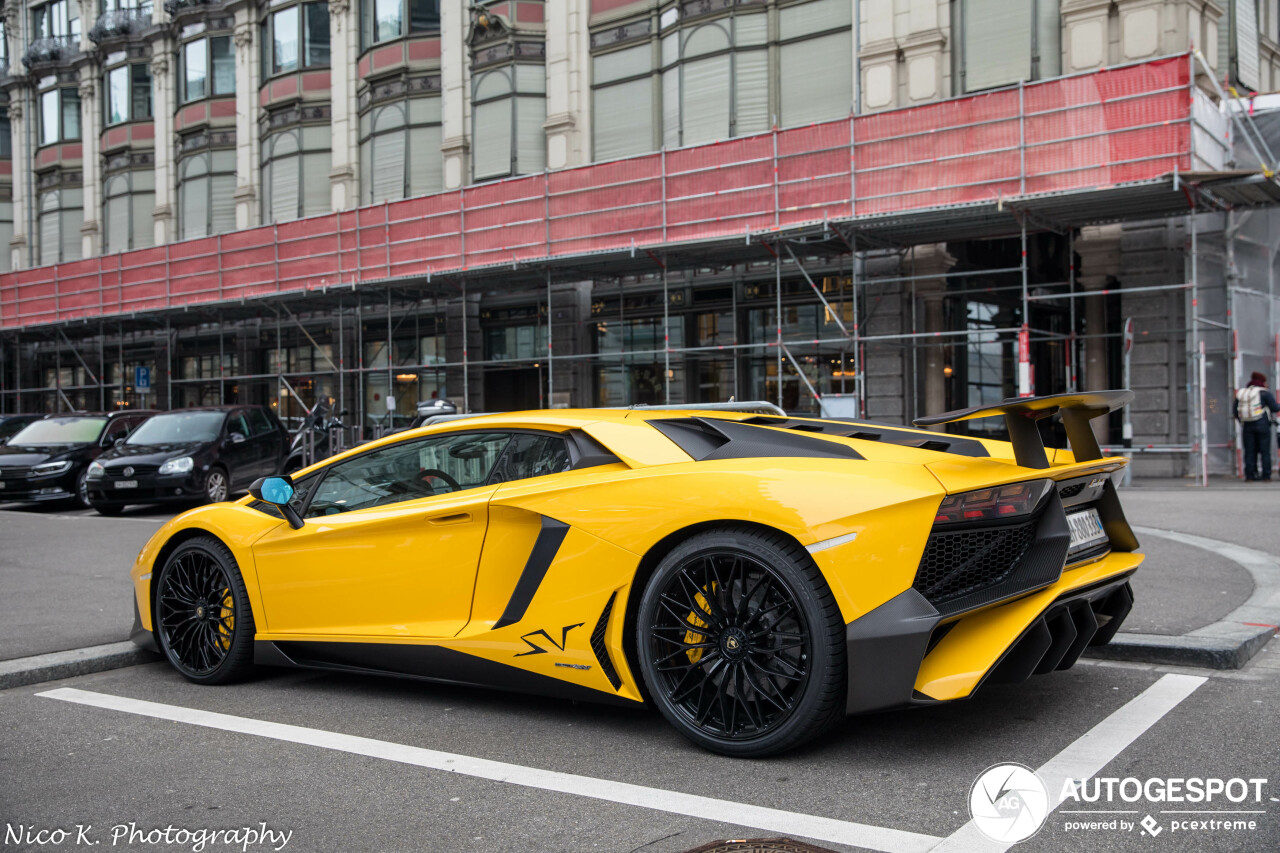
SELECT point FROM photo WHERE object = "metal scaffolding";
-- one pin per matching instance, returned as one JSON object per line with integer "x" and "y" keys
{"x": 846, "y": 268}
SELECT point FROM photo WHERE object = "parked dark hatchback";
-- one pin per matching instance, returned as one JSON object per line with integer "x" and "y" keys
{"x": 10, "y": 424}
{"x": 188, "y": 455}
{"x": 47, "y": 460}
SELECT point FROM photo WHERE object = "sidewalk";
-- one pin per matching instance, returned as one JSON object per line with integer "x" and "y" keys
{"x": 1208, "y": 593}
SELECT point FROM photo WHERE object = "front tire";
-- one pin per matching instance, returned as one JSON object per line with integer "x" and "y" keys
{"x": 108, "y": 509}
{"x": 202, "y": 618}
{"x": 741, "y": 644}
{"x": 217, "y": 486}
{"x": 82, "y": 490}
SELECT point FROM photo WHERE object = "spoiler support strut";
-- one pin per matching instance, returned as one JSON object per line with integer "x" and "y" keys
{"x": 1021, "y": 414}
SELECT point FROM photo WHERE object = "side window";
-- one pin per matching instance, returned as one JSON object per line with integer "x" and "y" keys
{"x": 407, "y": 471}
{"x": 237, "y": 423}
{"x": 531, "y": 456}
{"x": 118, "y": 428}
{"x": 259, "y": 423}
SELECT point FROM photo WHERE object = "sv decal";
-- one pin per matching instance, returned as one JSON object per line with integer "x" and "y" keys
{"x": 535, "y": 649}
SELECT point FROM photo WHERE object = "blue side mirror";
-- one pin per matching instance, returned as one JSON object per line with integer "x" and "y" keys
{"x": 278, "y": 491}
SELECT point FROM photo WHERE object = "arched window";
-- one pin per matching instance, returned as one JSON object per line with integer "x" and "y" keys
{"x": 723, "y": 74}
{"x": 508, "y": 108}
{"x": 295, "y": 173}
{"x": 128, "y": 200}
{"x": 61, "y": 215}
{"x": 206, "y": 194}
{"x": 400, "y": 150}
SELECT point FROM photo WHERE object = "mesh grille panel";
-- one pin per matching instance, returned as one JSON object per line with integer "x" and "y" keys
{"x": 961, "y": 562}
{"x": 601, "y": 651}
{"x": 1072, "y": 490}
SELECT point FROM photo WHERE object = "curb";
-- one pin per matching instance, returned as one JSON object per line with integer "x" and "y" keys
{"x": 1227, "y": 644}
{"x": 1188, "y": 650}
{"x": 37, "y": 668}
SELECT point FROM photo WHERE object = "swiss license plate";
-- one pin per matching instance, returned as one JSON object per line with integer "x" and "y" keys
{"x": 1086, "y": 529}
{"x": 133, "y": 484}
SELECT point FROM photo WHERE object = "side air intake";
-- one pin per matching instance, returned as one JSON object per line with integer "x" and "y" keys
{"x": 602, "y": 651}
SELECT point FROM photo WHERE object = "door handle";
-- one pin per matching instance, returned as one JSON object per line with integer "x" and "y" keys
{"x": 451, "y": 518}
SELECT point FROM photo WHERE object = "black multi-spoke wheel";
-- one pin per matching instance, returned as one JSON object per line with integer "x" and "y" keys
{"x": 202, "y": 616}
{"x": 740, "y": 642}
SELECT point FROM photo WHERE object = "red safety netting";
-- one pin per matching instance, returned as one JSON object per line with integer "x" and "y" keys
{"x": 1076, "y": 133}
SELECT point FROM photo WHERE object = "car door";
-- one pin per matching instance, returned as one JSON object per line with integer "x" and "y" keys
{"x": 238, "y": 454}
{"x": 390, "y": 544}
{"x": 265, "y": 441}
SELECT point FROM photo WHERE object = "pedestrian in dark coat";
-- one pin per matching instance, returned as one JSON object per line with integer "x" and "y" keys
{"x": 1254, "y": 407}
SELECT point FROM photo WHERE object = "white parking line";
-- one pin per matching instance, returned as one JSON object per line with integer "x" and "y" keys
{"x": 674, "y": 802}
{"x": 1094, "y": 750}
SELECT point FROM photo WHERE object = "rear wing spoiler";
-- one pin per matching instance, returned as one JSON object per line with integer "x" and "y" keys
{"x": 1020, "y": 416}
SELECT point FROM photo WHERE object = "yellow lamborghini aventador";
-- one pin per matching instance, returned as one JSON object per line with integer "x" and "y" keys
{"x": 755, "y": 577}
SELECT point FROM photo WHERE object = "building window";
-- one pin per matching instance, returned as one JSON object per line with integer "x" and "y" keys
{"x": 508, "y": 109}
{"x": 128, "y": 93}
{"x": 731, "y": 75}
{"x": 384, "y": 20}
{"x": 128, "y": 202}
{"x": 6, "y": 232}
{"x": 206, "y": 194}
{"x": 61, "y": 215}
{"x": 715, "y": 80}
{"x": 59, "y": 115}
{"x": 6, "y": 138}
{"x": 295, "y": 173}
{"x": 1002, "y": 43}
{"x": 60, "y": 19}
{"x": 622, "y": 102}
{"x": 400, "y": 150}
{"x": 296, "y": 37}
{"x": 208, "y": 68}
{"x": 814, "y": 44}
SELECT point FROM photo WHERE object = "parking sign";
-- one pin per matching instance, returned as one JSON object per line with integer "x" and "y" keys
{"x": 142, "y": 379}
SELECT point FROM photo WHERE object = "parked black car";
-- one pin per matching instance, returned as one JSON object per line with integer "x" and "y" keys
{"x": 48, "y": 459}
{"x": 190, "y": 454}
{"x": 10, "y": 424}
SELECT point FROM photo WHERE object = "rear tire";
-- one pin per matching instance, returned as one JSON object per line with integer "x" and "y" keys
{"x": 201, "y": 616}
{"x": 741, "y": 644}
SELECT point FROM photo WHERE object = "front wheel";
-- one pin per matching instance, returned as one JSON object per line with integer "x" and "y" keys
{"x": 741, "y": 643}
{"x": 216, "y": 485}
{"x": 202, "y": 618}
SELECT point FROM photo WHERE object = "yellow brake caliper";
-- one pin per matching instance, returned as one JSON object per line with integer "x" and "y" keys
{"x": 691, "y": 637}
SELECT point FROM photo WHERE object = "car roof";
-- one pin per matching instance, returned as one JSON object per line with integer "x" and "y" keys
{"x": 116, "y": 414}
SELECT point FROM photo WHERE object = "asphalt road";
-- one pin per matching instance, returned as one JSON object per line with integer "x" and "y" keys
{"x": 65, "y": 576}
{"x": 285, "y": 750}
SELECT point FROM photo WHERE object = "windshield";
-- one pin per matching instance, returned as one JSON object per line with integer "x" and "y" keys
{"x": 179, "y": 428}
{"x": 55, "y": 431}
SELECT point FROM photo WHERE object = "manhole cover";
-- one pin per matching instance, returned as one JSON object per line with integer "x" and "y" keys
{"x": 759, "y": 845}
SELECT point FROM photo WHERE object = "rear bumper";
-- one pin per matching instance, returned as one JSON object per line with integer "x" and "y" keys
{"x": 905, "y": 652}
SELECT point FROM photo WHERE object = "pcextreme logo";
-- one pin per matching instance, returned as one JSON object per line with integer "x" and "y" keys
{"x": 1009, "y": 803}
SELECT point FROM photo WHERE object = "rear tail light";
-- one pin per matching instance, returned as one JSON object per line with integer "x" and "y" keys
{"x": 998, "y": 503}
